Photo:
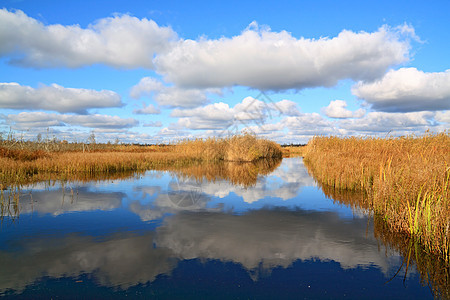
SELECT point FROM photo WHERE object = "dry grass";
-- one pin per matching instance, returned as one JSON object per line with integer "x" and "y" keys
{"x": 239, "y": 148}
{"x": 406, "y": 179}
{"x": 293, "y": 151}
{"x": 68, "y": 163}
{"x": 24, "y": 162}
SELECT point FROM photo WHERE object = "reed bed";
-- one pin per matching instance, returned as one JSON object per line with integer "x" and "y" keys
{"x": 406, "y": 180}
{"x": 68, "y": 163}
{"x": 238, "y": 148}
{"x": 293, "y": 151}
{"x": 24, "y": 162}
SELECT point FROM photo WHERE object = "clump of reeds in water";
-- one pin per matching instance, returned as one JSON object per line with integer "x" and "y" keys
{"x": 407, "y": 180}
{"x": 239, "y": 148}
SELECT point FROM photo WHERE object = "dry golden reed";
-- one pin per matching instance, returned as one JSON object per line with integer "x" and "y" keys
{"x": 240, "y": 148}
{"x": 293, "y": 151}
{"x": 406, "y": 180}
{"x": 26, "y": 162}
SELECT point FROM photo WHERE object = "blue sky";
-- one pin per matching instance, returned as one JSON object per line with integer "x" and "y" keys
{"x": 160, "y": 71}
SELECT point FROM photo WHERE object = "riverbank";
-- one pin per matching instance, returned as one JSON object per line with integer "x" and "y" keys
{"x": 406, "y": 180}
{"x": 28, "y": 161}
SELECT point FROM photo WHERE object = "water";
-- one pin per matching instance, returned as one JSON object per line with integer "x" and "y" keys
{"x": 172, "y": 235}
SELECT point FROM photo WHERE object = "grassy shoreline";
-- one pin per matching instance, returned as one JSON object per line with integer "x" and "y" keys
{"x": 29, "y": 161}
{"x": 406, "y": 181}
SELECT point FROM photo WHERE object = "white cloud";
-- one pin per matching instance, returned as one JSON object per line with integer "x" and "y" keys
{"x": 308, "y": 124}
{"x": 170, "y": 95}
{"x": 120, "y": 41}
{"x": 337, "y": 109}
{"x": 382, "y": 122}
{"x": 220, "y": 116}
{"x": 147, "y": 110}
{"x": 213, "y": 116}
{"x": 287, "y": 108}
{"x": 26, "y": 120}
{"x": 252, "y": 109}
{"x": 55, "y": 98}
{"x": 167, "y": 132}
{"x": 153, "y": 124}
{"x": 146, "y": 87}
{"x": 406, "y": 90}
{"x": 266, "y": 60}
{"x": 443, "y": 116}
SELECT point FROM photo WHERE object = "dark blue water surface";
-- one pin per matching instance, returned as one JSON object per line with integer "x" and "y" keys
{"x": 166, "y": 236}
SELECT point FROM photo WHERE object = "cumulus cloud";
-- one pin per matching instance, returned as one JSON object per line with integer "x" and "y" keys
{"x": 308, "y": 124}
{"x": 266, "y": 60}
{"x": 213, "y": 116}
{"x": 147, "y": 110}
{"x": 26, "y": 120}
{"x": 153, "y": 124}
{"x": 287, "y": 108}
{"x": 170, "y": 95}
{"x": 384, "y": 122}
{"x": 55, "y": 98}
{"x": 119, "y": 41}
{"x": 337, "y": 109}
{"x": 407, "y": 90}
{"x": 268, "y": 120}
{"x": 220, "y": 115}
{"x": 171, "y": 133}
{"x": 443, "y": 116}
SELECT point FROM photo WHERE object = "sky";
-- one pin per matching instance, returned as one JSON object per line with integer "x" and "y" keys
{"x": 162, "y": 71}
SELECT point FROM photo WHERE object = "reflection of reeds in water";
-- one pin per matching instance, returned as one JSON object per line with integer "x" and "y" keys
{"x": 406, "y": 179}
{"x": 9, "y": 204}
{"x": 240, "y": 173}
{"x": 434, "y": 271}
{"x": 353, "y": 199}
{"x": 12, "y": 196}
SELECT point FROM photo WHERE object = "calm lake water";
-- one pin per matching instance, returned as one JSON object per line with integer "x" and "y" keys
{"x": 170, "y": 235}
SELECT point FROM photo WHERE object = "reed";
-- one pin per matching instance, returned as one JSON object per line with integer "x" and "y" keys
{"x": 26, "y": 162}
{"x": 239, "y": 148}
{"x": 293, "y": 151}
{"x": 406, "y": 180}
